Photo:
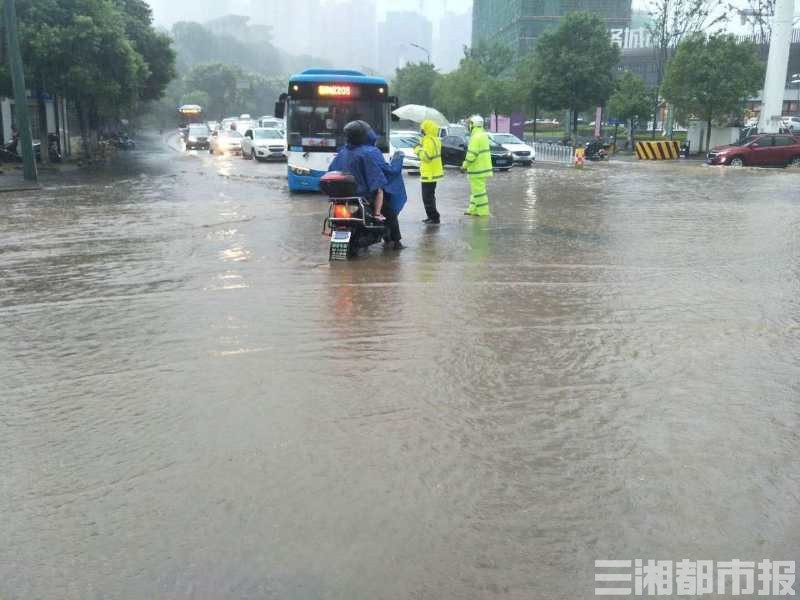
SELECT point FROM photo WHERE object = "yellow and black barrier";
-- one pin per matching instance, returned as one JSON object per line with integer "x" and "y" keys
{"x": 666, "y": 150}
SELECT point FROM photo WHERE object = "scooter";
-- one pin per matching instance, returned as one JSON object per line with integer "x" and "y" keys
{"x": 350, "y": 224}
{"x": 595, "y": 151}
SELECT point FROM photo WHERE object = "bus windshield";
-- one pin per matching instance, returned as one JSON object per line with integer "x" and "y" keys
{"x": 318, "y": 124}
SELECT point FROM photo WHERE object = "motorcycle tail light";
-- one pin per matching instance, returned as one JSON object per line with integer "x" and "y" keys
{"x": 341, "y": 211}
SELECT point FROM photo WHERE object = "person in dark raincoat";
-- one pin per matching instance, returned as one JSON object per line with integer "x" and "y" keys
{"x": 365, "y": 162}
{"x": 394, "y": 191}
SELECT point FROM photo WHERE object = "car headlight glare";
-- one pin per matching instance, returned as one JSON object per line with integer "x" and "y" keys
{"x": 299, "y": 171}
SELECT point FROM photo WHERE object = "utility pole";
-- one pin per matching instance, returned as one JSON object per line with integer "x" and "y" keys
{"x": 20, "y": 93}
{"x": 777, "y": 67}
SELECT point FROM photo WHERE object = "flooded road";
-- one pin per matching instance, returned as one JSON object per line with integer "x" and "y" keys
{"x": 195, "y": 404}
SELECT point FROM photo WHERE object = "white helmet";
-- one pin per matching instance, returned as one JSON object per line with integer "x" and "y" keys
{"x": 475, "y": 121}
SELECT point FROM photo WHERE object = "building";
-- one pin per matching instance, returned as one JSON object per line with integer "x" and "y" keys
{"x": 639, "y": 57}
{"x": 397, "y": 35}
{"x": 455, "y": 32}
{"x": 518, "y": 23}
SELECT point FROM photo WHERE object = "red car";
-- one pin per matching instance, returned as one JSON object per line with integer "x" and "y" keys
{"x": 766, "y": 150}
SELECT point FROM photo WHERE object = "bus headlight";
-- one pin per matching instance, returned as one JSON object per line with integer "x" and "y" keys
{"x": 299, "y": 171}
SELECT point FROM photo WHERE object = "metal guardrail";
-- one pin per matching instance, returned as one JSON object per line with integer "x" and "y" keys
{"x": 554, "y": 153}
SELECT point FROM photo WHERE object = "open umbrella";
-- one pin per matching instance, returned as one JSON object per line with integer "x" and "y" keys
{"x": 418, "y": 113}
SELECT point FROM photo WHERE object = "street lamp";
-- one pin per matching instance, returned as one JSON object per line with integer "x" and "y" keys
{"x": 423, "y": 48}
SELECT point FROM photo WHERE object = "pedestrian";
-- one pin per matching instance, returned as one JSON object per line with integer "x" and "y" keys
{"x": 478, "y": 165}
{"x": 394, "y": 192}
{"x": 364, "y": 161}
{"x": 429, "y": 152}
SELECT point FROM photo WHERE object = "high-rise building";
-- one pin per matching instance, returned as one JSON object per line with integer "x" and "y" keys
{"x": 455, "y": 31}
{"x": 518, "y": 23}
{"x": 397, "y": 36}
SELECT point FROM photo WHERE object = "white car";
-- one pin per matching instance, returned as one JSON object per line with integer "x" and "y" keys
{"x": 271, "y": 123}
{"x": 522, "y": 153}
{"x": 792, "y": 124}
{"x": 404, "y": 141}
{"x": 227, "y": 141}
{"x": 264, "y": 143}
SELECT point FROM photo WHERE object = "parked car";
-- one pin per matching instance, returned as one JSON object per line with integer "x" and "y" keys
{"x": 764, "y": 150}
{"x": 197, "y": 135}
{"x": 792, "y": 124}
{"x": 263, "y": 143}
{"x": 453, "y": 129}
{"x": 404, "y": 142}
{"x": 454, "y": 149}
{"x": 522, "y": 153}
{"x": 226, "y": 141}
{"x": 270, "y": 122}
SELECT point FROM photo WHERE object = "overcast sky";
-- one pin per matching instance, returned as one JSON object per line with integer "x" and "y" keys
{"x": 433, "y": 9}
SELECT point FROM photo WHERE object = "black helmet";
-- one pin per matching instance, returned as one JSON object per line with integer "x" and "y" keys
{"x": 356, "y": 132}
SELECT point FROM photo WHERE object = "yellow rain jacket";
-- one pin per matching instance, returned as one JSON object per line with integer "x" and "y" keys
{"x": 429, "y": 151}
{"x": 478, "y": 162}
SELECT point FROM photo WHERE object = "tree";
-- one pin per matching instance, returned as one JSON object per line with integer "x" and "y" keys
{"x": 102, "y": 73}
{"x": 670, "y": 22}
{"x": 574, "y": 63}
{"x": 154, "y": 47}
{"x": 457, "y": 94}
{"x": 414, "y": 83}
{"x": 103, "y": 55}
{"x": 629, "y": 102}
{"x": 711, "y": 75}
{"x": 757, "y": 13}
{"x": 219, "y": 82}
{"x": 495, "y": 58}
{"x": 530, "y": 94}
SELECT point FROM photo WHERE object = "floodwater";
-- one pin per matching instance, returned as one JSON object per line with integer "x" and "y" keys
{"x": 196, "y": 404}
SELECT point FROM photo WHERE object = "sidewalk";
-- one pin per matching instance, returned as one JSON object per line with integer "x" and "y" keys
{"x": 11, "y": 179}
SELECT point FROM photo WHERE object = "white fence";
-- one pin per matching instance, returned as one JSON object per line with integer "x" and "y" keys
{"x": 555, "y": 153}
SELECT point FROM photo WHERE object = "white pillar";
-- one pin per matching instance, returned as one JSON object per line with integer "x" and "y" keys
{"x": 777, "y": 65}
{"x": 5, "y": 106}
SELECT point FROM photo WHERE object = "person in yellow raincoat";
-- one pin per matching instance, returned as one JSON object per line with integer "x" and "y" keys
{"x": 429, "y": 151}
{"x": 478, "y": 165}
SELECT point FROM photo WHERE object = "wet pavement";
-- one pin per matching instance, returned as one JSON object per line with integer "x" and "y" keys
{"x": 196, "y": 404}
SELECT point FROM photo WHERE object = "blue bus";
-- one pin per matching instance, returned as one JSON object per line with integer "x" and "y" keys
{"x": 317, "y": 106}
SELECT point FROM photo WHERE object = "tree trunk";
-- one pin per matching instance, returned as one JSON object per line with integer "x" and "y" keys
{"x": 44, "y": 156}
{"x": 708, "y": 135}
{"x": 631, "y": 135}
{"x": 83, "y": 119}
{"x": 535, "y": 116}
{"x": 574, "y": 127}
{"x": 655, "y": 116}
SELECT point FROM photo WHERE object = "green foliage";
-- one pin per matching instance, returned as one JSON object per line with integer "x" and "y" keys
{"x": 224, "y": 90}
{"x": 530, "y": 94}
{"x": 493, "y": 57}
{"x": 459, "y": 93}
{"x": 414, "y": 83}
{"x": 574, "y": 63}
{"x": 710, "y": 76}
{"x": 102, "y": 54}
{"x": 630, "y": 100}
{"x": 154, "y": 47}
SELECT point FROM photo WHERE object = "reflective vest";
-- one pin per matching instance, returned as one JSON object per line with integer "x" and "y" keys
{"x": 478, "y": 161}
{"x": 429, "y": 152}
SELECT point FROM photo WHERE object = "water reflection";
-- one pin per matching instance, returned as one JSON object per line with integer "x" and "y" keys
{"x": 607, "y": 363}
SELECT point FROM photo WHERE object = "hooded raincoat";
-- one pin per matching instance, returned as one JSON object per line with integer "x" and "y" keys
{"x": 478, "y": 164}
{"x": 395, "y": 188}
{"x": 360, "y": 162}
{"x": 429, "y": 151}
